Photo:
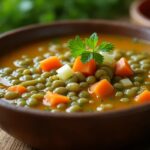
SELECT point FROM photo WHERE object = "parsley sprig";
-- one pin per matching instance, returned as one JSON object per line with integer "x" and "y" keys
{"x": 89, "y": 49}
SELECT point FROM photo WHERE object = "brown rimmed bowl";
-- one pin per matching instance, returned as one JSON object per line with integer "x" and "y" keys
{"x": 45, "y": 130}
{"x": 140, "y": 12}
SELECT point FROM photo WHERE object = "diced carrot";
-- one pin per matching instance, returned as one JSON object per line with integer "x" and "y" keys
{"x": 53, "y": 99}
{"x": 123, "y": 69}
{"x": 17, "y": 88}
{"x": 50, "y": 63}
{"x": 87, "y": 68}
{"x": 143, "y": 97}
{"x": 102, "y": 89}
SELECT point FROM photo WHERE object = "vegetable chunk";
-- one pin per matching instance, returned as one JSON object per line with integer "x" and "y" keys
{"x": 143, "y": 97}
{"x": 65, "y": 72}
{"x": 17, "y": 88}
{"x": 50, "y": 63}
{"x": 123, "y": 68}
{"x": 52, "y": 99}
{"x": 102, "y": 88}
{"x": 88, "y": 68}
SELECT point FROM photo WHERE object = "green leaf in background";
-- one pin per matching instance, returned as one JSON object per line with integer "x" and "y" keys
{"x": 17, "y": 13}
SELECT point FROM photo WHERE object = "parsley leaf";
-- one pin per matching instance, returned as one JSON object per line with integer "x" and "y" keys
{"x": 88, "y": 48}
{"x": 106, "y": 47}
{"x": 86, "y": 57}
{"x": 77, "y": 46}
{"x": 91, "y": 42}
{"x": 98, "y": 57}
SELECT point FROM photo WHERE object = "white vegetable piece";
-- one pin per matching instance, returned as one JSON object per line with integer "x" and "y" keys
{"x": 126, "y": 82}
{"x": 108, "y": 59}
{"x": 65, "y": 72}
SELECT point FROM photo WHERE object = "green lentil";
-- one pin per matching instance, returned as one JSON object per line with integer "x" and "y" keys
{"x": 45, "y": 74}
{"x": 11, "y": 95}
{"x": 145, "y": 61}
{"x": 117, "y": 78}
{"x": 124, "y": 100}
{"x": 61, "y": 90}
{"x": 48, "y": 89}
{"x": 82, "y": 101}
{"x": 28, "y": 83}
{"x": 80, "y": 76}
{"x": 130, "y": 92}
{"x": 55, "y": 110}
{"x": 145, "y": 66}
{"x": 48, "y": 84}
{"x": 147, "y": 83}
{"x": 58, "y": 83}
{"x": 138, "y": 79}
{"x": 31, "y": 102}
{"x": 83, "y": 84}
{"x": 15, "y": 81}
{"x": 26, "y": 72}
{"x": 105, "y": 77}
{"x": 38, "y": 96}
{"x": 73, "y": 87}
{"x": 73, "y": 103}
{"x": 74, "y": 108}
{"x": 118, "y": 86}
{"x": 84, "y": 94}
{"x": 40, "y": 86}
{"x": 31, "y": 88}
{"x": 34, "y": 92}
{"x": 21, "y": 102}
{"x": 72, "y": 79}
{"x": 1, "y": 94}
{"x": 41, "y": 80}
{"x": 90, "y": 79}
{"x": 35, "y": 76}
{"x": 74, "y": 98}
{"x": 61, "y": 106}
{"x": 136, "y": 83}
{"x": 108, "y": 70}
{"x": 53, "y": 72}
{"x": 7, "y": 70}
{"x": 138, "y": 70}
{"x": 99, "y": 73}
{"x": 70, "y": 94}
{"x": 119, "y": 94}
{"x": 26, "y": 95}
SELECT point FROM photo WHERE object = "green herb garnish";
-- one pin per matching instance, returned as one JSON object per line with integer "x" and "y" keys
{"x": 89, "y": 49}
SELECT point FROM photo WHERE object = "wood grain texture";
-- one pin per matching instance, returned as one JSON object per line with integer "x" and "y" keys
{"x": 7, "y": 142}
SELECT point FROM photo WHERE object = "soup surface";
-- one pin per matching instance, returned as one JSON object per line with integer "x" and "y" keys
{"x": 42, "y": 75}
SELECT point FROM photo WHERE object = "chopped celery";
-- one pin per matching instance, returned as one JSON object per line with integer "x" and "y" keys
{"x": 108, "y": 59}
{"x": 65, "y": 72}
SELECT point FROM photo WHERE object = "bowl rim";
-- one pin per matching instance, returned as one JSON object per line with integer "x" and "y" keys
{"x": 40, "y": 113}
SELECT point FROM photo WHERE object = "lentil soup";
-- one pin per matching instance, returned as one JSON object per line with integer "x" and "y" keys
{"x": 43, "y": 75}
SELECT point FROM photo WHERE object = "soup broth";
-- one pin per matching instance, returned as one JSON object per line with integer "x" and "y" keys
{"x": 22, "y": 67}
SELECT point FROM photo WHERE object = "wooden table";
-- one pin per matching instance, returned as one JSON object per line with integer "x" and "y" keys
{"x": 7, "y": 142}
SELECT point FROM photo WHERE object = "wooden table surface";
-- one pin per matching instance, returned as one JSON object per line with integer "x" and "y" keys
{"x": 7, "y": 142}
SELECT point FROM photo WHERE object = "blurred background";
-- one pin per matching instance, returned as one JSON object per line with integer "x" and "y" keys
{"x": 17, "y": 13}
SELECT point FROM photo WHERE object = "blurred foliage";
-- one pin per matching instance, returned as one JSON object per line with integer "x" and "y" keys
{"x": 16, "y": 13}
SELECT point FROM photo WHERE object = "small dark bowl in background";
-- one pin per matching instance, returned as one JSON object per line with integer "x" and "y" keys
{"x": 45, "y": 130}
{"x": 140, "y": 12}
